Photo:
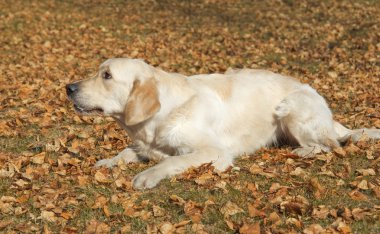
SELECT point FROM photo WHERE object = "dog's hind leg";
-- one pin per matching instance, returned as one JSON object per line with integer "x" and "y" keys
{"x": 307, "y": 118}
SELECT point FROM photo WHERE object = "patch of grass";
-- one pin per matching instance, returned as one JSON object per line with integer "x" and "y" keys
{"x": 5, "y": 183}
{"x": 22, "y": 145}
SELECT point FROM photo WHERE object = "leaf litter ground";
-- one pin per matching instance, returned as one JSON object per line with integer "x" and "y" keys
{"x": 47, "y": 152}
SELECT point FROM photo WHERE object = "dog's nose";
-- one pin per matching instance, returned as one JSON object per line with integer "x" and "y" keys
{"x": 71, "y": 88}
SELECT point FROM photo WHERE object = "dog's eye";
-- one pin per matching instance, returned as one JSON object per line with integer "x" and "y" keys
{"x": 107, "y": 75}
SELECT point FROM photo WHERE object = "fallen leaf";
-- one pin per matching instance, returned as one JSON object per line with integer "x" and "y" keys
{"x": 367, "y": 172}
{"x": 177, "y": 200}
{"x": 363, "y": 185}
{"x": 274, "y": 218}
{"x": 198, "y": 228}
{"x": 182, "y": 223}
{"x": 230, "y": 209}
{"x": 343, "y": 227}
{"x": 102, "y": 177}
{"x": 257, "y": 170}
{"x": 48, "y": 216}
{"x": 100, "y": 201}
{"x": 21, "y": 183}
{"x": 359, "y": 213}
{"x": 299, "y": 172}
{"x": 167, "y": 228}
{"x": 204, "y": 178}
{"x": 376, "y": 190}
{"x": 340, "y": 151}
{"x": 253, "y": 212}
{"x": 158, "y": 211}
{"x": 274, "y": 187}
{"x": 39, "y": 158}
{"x": 358, "y": 196}
{"x": 320, "y": 213}
{"x": 318, "y": 188}
{"x": 295, "y": 205}
{"x": 193, "y": 210}
{"x": 314, "y": 229}
{"x": 294, "y": 222}
{"x": 97, "y": 227}
{"x": 250, "y": 228}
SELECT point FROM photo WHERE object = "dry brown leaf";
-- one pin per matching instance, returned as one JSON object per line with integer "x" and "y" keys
{"x": 250, "y": 228}
{"x": 102, "y": 177}
{"x": 177, "y": 200}
{"x": 8, "y": 199}
{"x": 294, "y": 222}
{"x": 230, "y": 224}
{"x": 158, "y": 211}
{"x": 182, "y": 223}
{"x": 83, "y": 180}
{"x": 100, "y": 201}
{"x": 352, "y": 148}
{"x": 7, "y": 173}
{"x": 359, "y": 213}
{"x": 341, "y": 226}
{"x": 274, "y": 218}
{"x": 21, "y": 183}
{"x": 253, "y": 212}
{"x": 367, "y": 172}
{"x": 48, "y": 216}
{"x": 363, "y": 185}
{"x": 194, "y": 211}
{"x": 5, "y": 223}
{"x": 318, "y": 188}
{"x": 6, "y": 208}
{"x": 126, "y": 229}
{"x": 204, "y": 178}
{"x": 96, "y": 227}
{"x": 376, "y": 190}
{"x": 274, "y": 187}
{"x": 320, "y": 213}
{"x": 314, "y": 229}
{"x": 257, "y": 170}
{"x": 167, "y": 228}
{"x": 298, "y": 205}
{"x": 39, "y": 158}
{"x": 358, "y": 196}
{"x": 340, "y": 151}
{"x": 198, "y": 228}
{"x": 230, "y": 208}
{"x": 299, "y": 172}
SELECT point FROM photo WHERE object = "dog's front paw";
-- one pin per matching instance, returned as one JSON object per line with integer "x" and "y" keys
{"x": 106, "y": 163}
{"x": 148, "y": 178}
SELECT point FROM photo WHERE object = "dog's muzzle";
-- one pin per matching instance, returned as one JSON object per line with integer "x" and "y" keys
{"x": 71, "y": 88}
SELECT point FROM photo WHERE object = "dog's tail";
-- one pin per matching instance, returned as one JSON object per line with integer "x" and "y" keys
{"x": 344, "y": 133}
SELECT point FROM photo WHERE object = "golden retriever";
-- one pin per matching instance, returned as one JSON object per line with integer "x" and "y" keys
{"x": 185, "y": 121}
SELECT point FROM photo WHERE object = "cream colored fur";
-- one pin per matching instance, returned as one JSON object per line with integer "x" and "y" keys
{"x": 184, "y": 122}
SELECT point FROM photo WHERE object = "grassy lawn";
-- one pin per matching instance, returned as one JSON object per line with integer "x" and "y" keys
{"x": 47, "y": 152}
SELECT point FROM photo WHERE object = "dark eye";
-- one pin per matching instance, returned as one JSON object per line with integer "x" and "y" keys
{"x": 107, "y": 75}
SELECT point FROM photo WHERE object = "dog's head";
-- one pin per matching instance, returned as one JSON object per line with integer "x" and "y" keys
{"x": 122, "y": 88}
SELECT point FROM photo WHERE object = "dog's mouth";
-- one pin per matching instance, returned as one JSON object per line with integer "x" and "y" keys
{"x": 88, "y": 111}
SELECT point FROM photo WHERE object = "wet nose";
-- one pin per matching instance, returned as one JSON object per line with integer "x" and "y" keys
{"x": 71, "y": 88}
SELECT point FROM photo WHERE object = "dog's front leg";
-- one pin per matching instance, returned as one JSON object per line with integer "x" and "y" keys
{"x": 127, "y": 155}
{"x": 174, "y": 165}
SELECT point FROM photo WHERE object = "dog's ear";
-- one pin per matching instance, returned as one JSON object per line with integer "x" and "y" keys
{"x": 142, "y": 103}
